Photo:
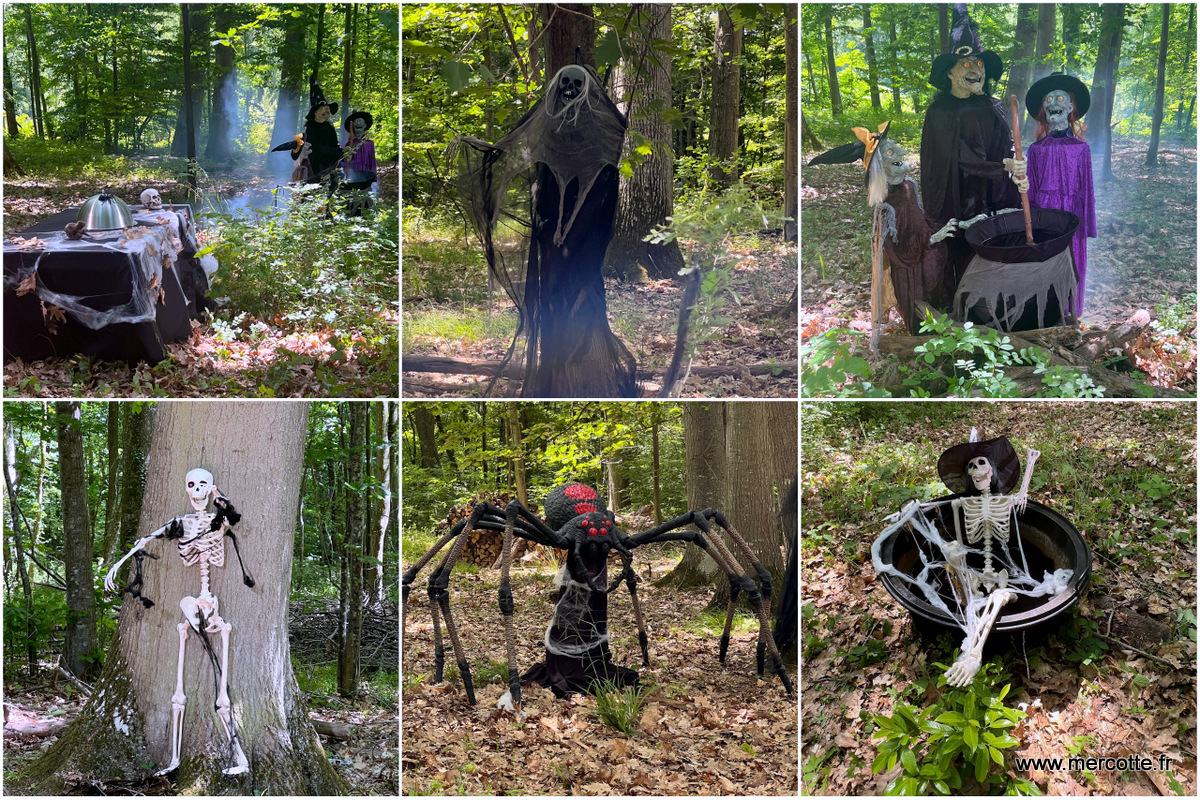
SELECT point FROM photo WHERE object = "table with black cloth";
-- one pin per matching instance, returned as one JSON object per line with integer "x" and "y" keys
{"x": 100, "y": 279}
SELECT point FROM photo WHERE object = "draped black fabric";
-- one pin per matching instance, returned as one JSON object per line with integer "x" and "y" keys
{"x": 919, "y": 270}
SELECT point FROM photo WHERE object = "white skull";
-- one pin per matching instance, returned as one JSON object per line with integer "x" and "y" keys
{"x": 979, "y": 470}
{"x": 966, "y": 77}
{"x": 571, "y": 80}
{"x": 1058, "y": 107}
{"x": 152, "y": 200}
{"x": 199, "y": 486}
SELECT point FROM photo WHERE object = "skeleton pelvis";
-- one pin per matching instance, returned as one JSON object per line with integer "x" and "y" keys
{"x": 193, "y": 607}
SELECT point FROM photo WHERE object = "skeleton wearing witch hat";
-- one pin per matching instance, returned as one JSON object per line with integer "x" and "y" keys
{"x": 200, "y": 537}
{"x": 966, "y": 142}
{"x": 1060, "y": 161}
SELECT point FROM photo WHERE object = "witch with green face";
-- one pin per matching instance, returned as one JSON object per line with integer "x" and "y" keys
{"x": 966, "y": 142}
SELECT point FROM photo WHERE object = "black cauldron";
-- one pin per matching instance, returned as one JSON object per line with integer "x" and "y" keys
{"x": 1002, "y": 238}
{"x": 1051, "y": 542}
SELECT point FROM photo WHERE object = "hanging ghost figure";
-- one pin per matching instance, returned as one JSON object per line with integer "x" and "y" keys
{"x": 543, "y": 201}
{"x": 978, "y": 573}
{"x": 200, "y": 538}
{"x": 1060, "y": 161}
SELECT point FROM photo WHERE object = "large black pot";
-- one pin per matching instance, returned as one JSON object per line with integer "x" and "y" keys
{"x": 1051, "y": 542}
{"x": 1002, "y": 238}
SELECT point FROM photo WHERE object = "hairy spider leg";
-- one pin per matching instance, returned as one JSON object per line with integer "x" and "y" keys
{"x": 631, "y": 580}
{"x": 764, "y": 579}
{"x": 506, "y": 606}
{"x": 411, "y": 575}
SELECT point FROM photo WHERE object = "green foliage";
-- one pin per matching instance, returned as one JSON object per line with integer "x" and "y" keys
{"x": 1083, "y": 642}
{"x": 829, "y": 364}
{"x": 49, "y": 615}
{"x": 620, "y": 708}
{"x": 964, "y": 732}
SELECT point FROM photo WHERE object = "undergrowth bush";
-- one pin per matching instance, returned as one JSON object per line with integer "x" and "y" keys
{"x": 620, "y": 708}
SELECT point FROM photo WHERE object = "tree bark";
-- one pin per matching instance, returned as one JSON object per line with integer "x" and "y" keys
{"x": 835, "y": 91}
{"x": 11, "y": 478}
{"x": 1043, "y": 62}
{"x": 224, "y": 106}
{"x": 791, "y": 147}
{"x": 35, "y": 78}
{"x": 646, "y": 197}
{"x": 381, "y": 423}
{"x": 705, "y": 468}
{"x": 137, "y": 427}
{"x": 112, "y": 485}
{"x": 869, "y": 42}
{"x": 943, "y": 10}
{"x": 288, "y": 111}
{"x": 749, "y": 501}
{"x": 514, "y": 428}
{"x": 1160, "y": 86}
{"x": 255, "y": 451}
{"x": 724, "y": 110}
{"x": 1022, "y": 59}
{"x": 422, "y": 418}
{"x": 189, "y": 108}
{"x": 348, "y": 60}
{"x": 10, "y": 104}
{"x": 783, "y": 422}
{"x": 79, "y": 649}
{"x": 349, "y": 660}
{"x": 897, "y": 105}
{"x": 570, "y": 27}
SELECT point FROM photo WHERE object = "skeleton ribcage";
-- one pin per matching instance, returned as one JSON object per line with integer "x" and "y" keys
{"x": 210, "y": 544}
{"x": 987, "y": 516}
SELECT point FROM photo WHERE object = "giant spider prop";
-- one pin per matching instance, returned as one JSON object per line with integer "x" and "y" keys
{"x": 578, "y": 522}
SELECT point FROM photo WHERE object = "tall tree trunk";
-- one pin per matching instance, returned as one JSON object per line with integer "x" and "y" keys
{"x": 724, "y": 110}
{"x": 791, "y": 147}
{"x": 423, "y": 427}
{"x": 79, "y": 649}
{"x": 655, "y": 424}
{"x": 807, "y": 136}
{"x": 835, "y": 91}
{"x": 136, "y": 428}
{"x": 112, "y": 485}
{"x": 1043, "y": 63}
{"x": 288, "y": 110}
{"x": 11, "y": 477}
{"x": 373, "y": 581}
{"x": 869, "y": 42}
{"x": 36, "y": 97}
{"x": 1023, "y": 49}
{"x": 1160, "y": 86}
{"x": 568, "y": 27}
{"x": 1112, "y": 28}
{"x": 705, "y": 468}
{"x": 349, "y": 658}
{"x": 749, "y": 501}
{"x": 897, "y": 105}
{"x": 1186, "y": 90}
{"x": 943, "y": 11}
{"x": 348, "y": 60}
{"x": 224, "y": 105}
{"x": 514, "y": 428}
{"x": 255, "y": 451}
{"x": 10, "y": 103}
{"x": 189, "y": 109}
{"x": 647, "y": 196}
{"x": 783, "y": 422}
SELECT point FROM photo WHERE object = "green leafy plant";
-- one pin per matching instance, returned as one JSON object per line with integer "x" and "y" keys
{"x": 620, "y": 708}
{"x": 829, "y": 359}
{"x": 963, "y": 733}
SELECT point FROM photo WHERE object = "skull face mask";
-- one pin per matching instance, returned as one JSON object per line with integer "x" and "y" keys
{"x": 570, "y": 82}
{"x": 199, "y": 486}
{"x": 979, "y": 470}
{"x": 1058, "y": 107}
{"x": 360, "y": 129}
{"x": 966, "y": 77}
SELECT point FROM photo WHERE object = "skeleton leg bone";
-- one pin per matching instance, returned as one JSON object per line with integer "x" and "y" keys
{"x": 962, "y": 671}
{"x": 178, "y": 702}
{"x": 218, "y": 625}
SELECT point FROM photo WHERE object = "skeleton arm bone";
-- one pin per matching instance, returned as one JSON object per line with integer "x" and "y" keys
{"x": 1023, "y": 496}
{"x": 966, "y": 223}
{"x": 109, "y": 585}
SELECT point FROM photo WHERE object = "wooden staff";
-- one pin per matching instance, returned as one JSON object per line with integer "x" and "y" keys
{"x": 1020, "y": 156}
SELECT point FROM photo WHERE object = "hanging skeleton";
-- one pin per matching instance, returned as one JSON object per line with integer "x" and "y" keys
{"x": 200, "y": 537}
{"x": 986, "y": 522}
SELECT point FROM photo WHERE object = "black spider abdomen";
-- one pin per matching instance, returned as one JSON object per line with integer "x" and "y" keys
{"x": 568, "y": 501}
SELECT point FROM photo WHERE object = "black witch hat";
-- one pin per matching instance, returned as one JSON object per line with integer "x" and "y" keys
{"x": 363, "y": 115}
{"x": 316, "y": 97}
{"x": 862, "y": 150}
{"x": 964, "y": 43}
{"x": 1058, "y": 80}
{"x": 1006, "y": 467}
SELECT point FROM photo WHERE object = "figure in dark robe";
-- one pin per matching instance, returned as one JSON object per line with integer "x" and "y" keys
{"x": 1060, "y": 161}
{"x": 966, "y": 142}
{"x": 320, "y": 137}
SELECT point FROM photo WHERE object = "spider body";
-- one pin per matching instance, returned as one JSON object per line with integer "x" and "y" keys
{"x": 578, "y": 522}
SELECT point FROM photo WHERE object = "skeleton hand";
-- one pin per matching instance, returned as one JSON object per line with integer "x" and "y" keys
{"x": 966, "y": 223}
{"x": 110, "y": 576}
{"x": 962, "y": 672}
{"x": 1022, "y": 498}
{"x": 947, "y": 230}
{"x": 1022, "y": 184}
{"x": 1016, "y": 166}
{"x": 304, "y": 151}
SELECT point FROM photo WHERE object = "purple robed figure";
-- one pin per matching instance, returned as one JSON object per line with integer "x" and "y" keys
{"x": 1060, "y": 176}
{"x": 362, "y": 160}
{"x": 1059, "y": 163}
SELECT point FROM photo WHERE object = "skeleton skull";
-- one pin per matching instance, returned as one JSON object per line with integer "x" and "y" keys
{"x": 979, "y": 470}
{"x": 1058, "y": 107}
{"x": 360, "y": 129}
{"x": 895, "y": 167}
{"x": 199, "y": 487}
{"x": 151, "y": 199}
{"x": 966, "y": 77}
{"x": 571, "y": 80}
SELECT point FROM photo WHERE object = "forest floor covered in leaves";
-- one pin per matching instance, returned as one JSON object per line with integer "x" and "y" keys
{"x": 448, "y": 313}
{"x": 1115, "y": 676}
{"x": 1144, "y": 256}
{"x": 230, "y": 353}
{"x": 706, "y": 729}
{"x": 363, "y": 745}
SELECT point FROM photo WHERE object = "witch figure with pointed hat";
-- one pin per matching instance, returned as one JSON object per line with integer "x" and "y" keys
{"x": 966, "y": 142}
{"x": 1060, "y": 161}
{"x": 320, "y": 137}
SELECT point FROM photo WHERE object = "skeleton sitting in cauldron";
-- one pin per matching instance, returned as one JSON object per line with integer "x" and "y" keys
{"x": 977, "y": 573}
